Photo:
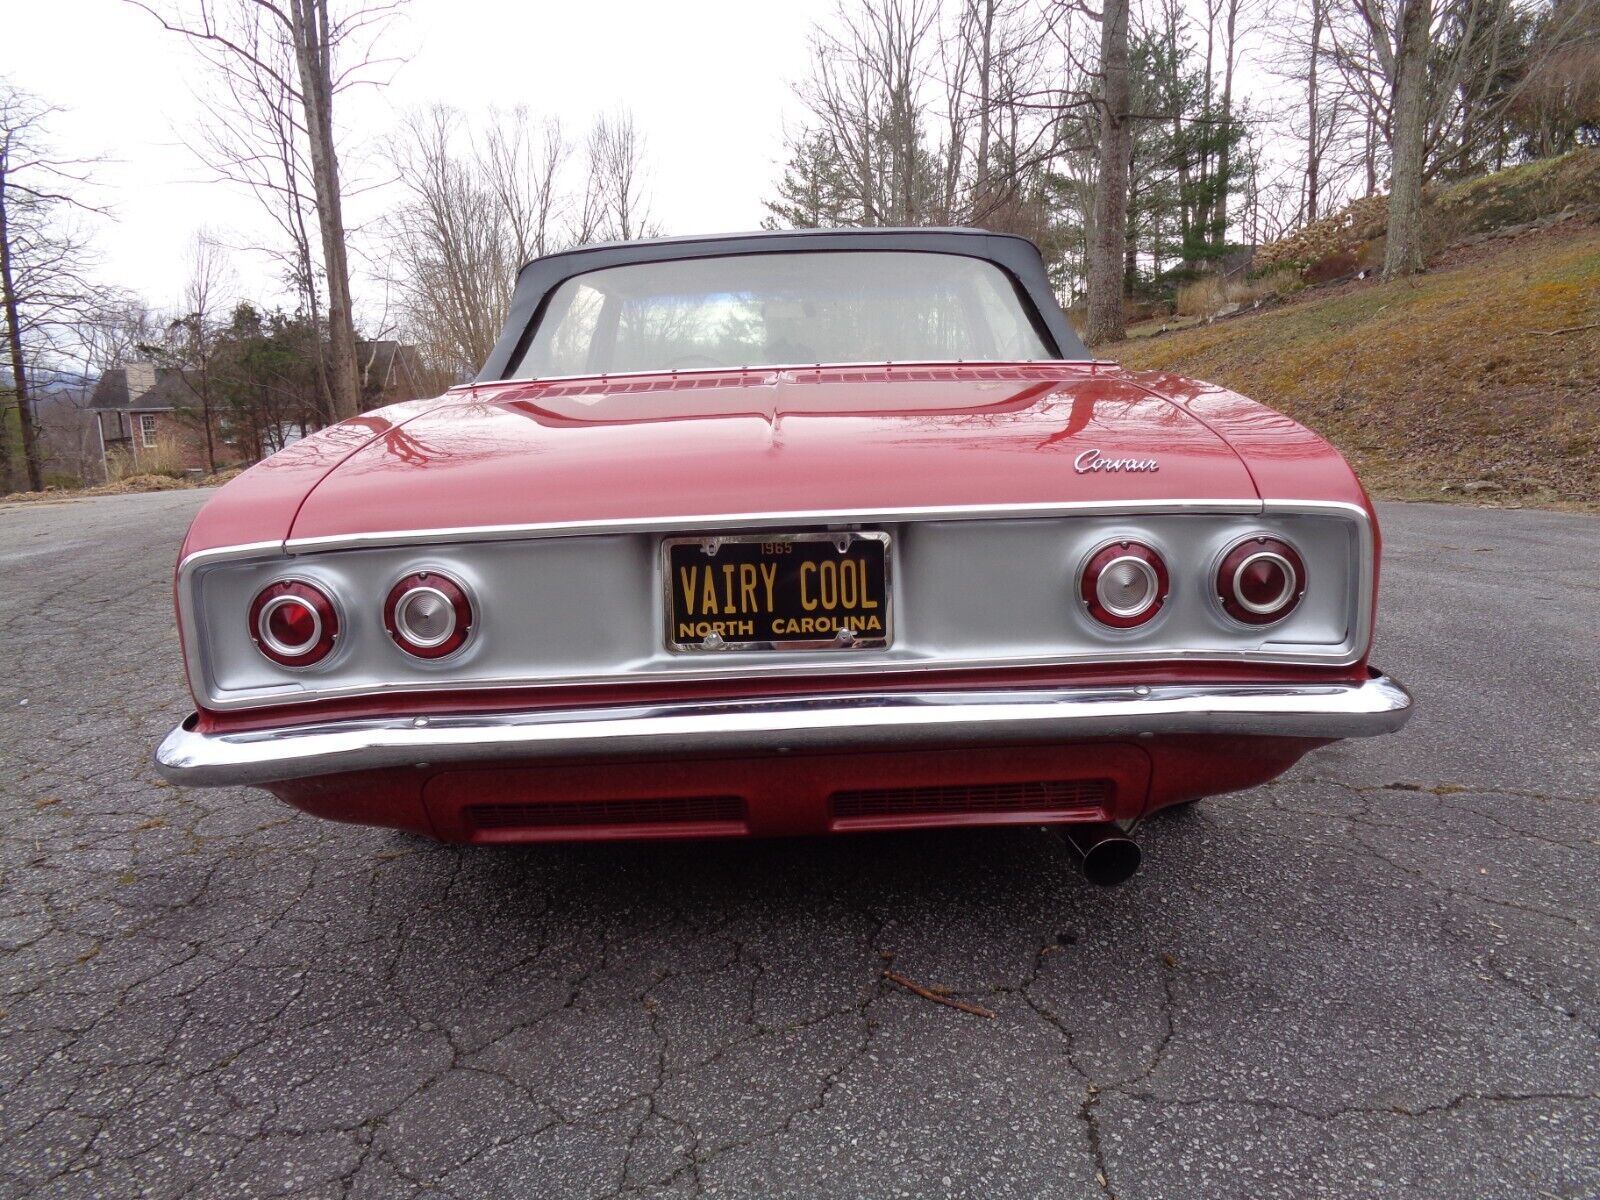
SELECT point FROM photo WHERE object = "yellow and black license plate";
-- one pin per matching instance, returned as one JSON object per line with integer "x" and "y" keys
{"x": 814, "y": 591}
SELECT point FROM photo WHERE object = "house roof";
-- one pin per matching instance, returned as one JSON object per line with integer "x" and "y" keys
{"x": 384, "y": 363}
{"x": 375, "y": 360}
{"x": 143, "y": 387}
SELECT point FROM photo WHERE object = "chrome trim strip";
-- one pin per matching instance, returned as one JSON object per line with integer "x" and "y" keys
{"x": 1090, "y": 364}
{"x": 763, "y": 520}
{"x": 743, "y": 668}
{"x": 887, "y": 721}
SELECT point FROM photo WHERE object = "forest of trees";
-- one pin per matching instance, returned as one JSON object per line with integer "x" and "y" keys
{"x": 1219, "y": 123}
{"x": 1139, "y": 144}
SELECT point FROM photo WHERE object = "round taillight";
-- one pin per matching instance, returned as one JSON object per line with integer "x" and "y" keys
{"x": 428, "y": 615}
{"x": 294, "y": 623}
{"x": 1123, "y": 584}
{"x": 1261, "y": 580}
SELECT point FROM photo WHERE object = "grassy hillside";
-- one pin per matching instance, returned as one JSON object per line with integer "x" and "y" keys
{"x": 1460, "y": 376}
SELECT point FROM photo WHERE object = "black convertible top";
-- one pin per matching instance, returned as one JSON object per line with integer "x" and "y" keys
{"x": 1016, "y": 256}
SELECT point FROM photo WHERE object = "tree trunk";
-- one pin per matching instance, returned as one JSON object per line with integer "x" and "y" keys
{"x": 1200, "y": 225}
{"x": 1371, "y": 158}
{"x": 205, "y": 407}
{"x": 19, "y": 371}
{"x": 1225, "y": 150}
{"x": 1403, "y": 250}
{"x": 980, "y": 179}
{"x": 309, "y": 22}
{"x": 1313, "y": 116}
{"x": 12, "y": 340}
{"x": 1111, "y": 189}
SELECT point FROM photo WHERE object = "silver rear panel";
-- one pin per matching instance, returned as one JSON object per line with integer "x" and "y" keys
{"x": 970, "y": 591}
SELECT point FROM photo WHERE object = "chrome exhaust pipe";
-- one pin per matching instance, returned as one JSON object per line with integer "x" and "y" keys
{"x": 1105, "y": 854}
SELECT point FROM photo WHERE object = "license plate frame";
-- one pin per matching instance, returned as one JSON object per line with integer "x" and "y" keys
{"x": 878, "y": 558}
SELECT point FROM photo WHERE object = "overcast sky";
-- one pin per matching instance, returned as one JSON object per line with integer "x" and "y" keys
{"x": 708, "y": 83}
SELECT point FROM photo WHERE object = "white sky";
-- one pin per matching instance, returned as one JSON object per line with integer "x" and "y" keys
{"x": 708, "y": 83}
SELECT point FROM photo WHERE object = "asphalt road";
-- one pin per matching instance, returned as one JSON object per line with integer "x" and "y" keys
{"x": 1377, "y": 977}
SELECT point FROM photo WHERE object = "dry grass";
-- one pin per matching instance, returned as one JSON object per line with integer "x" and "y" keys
{"x": 127, "y": 485}
{"x": 1200, "y": 298}
{"x": 1211, "y": 293}
{"x": 1446, "y": 379}
{"x": 1518, "y": 194}
{"x": 164, "y": 458}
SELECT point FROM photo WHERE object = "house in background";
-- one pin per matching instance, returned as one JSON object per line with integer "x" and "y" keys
{"x": 391, "y": 372}
{"x": 148, "y": 419}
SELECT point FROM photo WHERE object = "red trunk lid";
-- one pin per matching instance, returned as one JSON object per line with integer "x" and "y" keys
{"x": 707, "y": 444}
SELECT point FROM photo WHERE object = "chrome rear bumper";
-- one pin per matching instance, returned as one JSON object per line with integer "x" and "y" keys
{"x": 883, "y": 721}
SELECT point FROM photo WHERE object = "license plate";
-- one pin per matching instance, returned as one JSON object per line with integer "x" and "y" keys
{"x": 813, "y": 591}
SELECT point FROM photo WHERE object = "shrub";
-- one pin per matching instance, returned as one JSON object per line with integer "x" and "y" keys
{"x": 1332, "y": 266}
{"x": 164, "y": 458}
{"x": 1356, "y": 222}
{"x": 1202, "y": 297}
{"x": 1280, "y": 281}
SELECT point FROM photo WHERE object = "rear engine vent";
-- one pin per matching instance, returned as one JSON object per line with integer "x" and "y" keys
{"x": 565, "y": 814}
{"x": 1040, "y": 796}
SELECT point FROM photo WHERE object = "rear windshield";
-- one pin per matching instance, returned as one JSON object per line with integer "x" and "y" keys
{"x": 795, "y": 309}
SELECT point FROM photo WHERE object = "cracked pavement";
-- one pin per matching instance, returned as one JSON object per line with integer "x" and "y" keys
{"x": 1375, "y": 977}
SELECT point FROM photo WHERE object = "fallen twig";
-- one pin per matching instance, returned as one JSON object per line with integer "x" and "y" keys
{"x": 930, "y": 994}
{"x": 1568, "y": 329}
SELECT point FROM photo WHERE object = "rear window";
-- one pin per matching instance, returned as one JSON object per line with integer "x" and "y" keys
{"x": 787, "y": 309}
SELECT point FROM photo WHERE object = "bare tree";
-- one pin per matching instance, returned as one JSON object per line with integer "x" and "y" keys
{"x": 865, "y": 98}
{"x": 281, "y": 58}
{"x": 475, "y": 210}
{"x": 43, "y": 258}
{"x": 920, "y": 113}
{"x": 250, "y": 136}
{"x": 1111, "y": 189}
{"x": 451, "y": 248}
{"x": 523, "y": 169}
{"x": 616, "y": 206}
{"x": 193, "y": 334}
{"x": 1560, "y": 92}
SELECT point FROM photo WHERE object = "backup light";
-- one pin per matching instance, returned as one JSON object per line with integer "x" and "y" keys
{"x": 1124, "y": 584}
{"x": 429, "y": 615}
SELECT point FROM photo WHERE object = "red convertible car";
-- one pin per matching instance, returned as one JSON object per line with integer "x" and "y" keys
{"x": 781, "y": 534}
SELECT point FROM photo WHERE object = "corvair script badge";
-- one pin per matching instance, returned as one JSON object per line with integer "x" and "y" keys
{"x": 1092, "y": 460}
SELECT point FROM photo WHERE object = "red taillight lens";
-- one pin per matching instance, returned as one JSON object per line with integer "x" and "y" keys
{"x": 1261, "y": 580}
{"x": 294, "y": 623}
{"x": 428, "y": 615}
{"x": 1123, "y": 584}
